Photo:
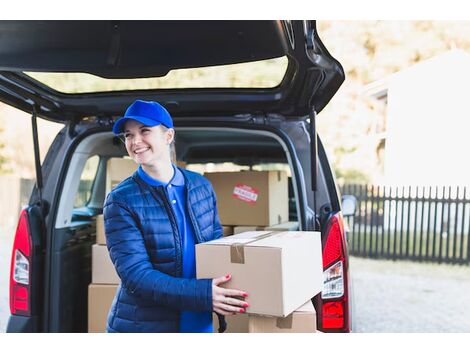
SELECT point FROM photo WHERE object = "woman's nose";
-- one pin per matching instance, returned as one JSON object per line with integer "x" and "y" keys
{"x": 137, "y": 138}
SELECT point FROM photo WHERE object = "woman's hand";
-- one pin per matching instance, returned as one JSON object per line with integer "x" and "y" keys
{"x": 222, "y": 298}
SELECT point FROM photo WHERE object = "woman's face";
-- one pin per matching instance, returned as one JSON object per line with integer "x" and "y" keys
{"x": 147, "y": 145}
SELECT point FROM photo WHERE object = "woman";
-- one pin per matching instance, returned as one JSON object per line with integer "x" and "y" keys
{"x": 152, "y": 221}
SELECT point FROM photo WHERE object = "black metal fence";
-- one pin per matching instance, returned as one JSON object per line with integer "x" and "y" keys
{"x": 414, "y": 223}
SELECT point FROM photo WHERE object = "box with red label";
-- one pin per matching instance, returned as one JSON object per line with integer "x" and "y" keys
{"x": 257, "y": 198}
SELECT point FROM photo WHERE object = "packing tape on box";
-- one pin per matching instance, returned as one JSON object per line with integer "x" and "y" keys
{"x": 237, "y": 251}
{"x": 284, "y": 323}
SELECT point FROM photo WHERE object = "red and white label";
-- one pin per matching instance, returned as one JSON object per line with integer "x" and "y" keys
{"x": 245, "y": 193}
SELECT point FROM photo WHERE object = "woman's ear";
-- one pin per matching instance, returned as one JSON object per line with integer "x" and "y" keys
{"x": 170, "y": 136}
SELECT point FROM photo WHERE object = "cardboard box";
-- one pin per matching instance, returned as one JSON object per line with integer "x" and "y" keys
{"x": 102, "y": 268}
{"x": 100, "y": 298}
{"x": 117, "y": 170}
{"x": 100, "y": 234}
{"x": 303, "y": 320}
{"x": 258, "y": 198}
{"x": 235, "y": 323}
{"x": 280, "y": 271}
{"x": 285, "y": 226}
{"x": 228, "y": 231}
{"x": 241, "y": 229}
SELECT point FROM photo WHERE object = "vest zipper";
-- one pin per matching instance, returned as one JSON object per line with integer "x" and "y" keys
{"x": 174, "y": 225}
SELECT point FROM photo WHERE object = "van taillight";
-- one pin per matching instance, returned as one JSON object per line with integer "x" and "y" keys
{"x": 20, "y": 269}
{"x": 334, "y": 315}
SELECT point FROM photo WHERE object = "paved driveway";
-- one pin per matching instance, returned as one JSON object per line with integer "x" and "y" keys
{"x": 410, "y": 297}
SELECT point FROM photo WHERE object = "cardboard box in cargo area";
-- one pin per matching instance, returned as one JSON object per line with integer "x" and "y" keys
{"x": 235, "y": 323}
{"x": 102, "y": 268}
{"x": 241, "y": 229}
{"x": 100, "y": 298}
{"x": 285, "y": 226}
{"x": 227, "y": 231}
{"x": 117, "y": 170}
{"x": 100, "y": 234}
{"x": 303, "y": 320}
{"x": 258, "y": 198}
{"x": 280, "y": 271}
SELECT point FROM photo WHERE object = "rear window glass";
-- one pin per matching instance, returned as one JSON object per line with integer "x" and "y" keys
{"x": 257, "y": 74}
{"x": 86, "y": 182}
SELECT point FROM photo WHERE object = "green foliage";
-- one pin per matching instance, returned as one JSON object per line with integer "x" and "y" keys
{"x": 351, "y": 176}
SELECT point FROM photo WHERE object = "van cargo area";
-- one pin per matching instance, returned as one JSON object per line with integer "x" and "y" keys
{"x": 203, "y": 150}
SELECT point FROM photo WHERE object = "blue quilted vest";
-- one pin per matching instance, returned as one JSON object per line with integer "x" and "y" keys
{"x": 145, "y": 248}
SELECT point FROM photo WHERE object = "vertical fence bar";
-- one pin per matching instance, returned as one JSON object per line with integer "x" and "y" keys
{"x": 366, "y": 205}
{"x": 378, "y": 220}
{"x": 382, "y": 233}
{"x": 359, "y": 237}
{"x": 415, "y": 225}
{"x": 448, "y": 236}
{"x": 396, "y": 225}
{"x": 468, "y": 244}
{"x": 372, "y": 218}
{"x": 462, "y": 228}
{"x": 402, "y": 207}
{"x": 389, "y": 234}
{"x": 355, "y": 223}
{"x": 421, "y": 226}
{"x": 442, "y": 224}
{"x": 456, "y": 218}
{"x": 408, "y": 212}
{"x": 434, "y": 239}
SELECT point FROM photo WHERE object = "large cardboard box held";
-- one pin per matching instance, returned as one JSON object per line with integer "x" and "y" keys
{"x": 280, "y": 271}
{"x": 102, "y": 268}
{"x": 100, "y": 298}
{"x": 258, "y": 198}
{"x": 117, "y": 170}
{"x": 303, "y": 320}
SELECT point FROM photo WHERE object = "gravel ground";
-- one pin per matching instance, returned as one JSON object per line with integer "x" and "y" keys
{"x": 389, "y": 296}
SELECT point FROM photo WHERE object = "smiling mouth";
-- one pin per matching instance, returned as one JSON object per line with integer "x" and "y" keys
{"x": 140, "y": 151}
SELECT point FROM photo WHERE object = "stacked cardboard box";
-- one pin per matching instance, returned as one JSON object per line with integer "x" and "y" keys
{"x": 104, "y": 278}
{"x": 302, "y": 320}
{"x": 104, "y": 281}
{"x": 280, "y": 271}
{"x": 251, "y": 198}
{"x": 117, "y": 170}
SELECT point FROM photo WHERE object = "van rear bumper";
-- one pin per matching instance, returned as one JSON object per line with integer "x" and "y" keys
{"x": 19, "y": 323}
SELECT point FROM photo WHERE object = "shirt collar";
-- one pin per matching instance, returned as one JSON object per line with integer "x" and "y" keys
{"x": 176, "y": 180}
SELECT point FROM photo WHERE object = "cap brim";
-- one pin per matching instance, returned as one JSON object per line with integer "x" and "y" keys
{"x": 119, "y": 124}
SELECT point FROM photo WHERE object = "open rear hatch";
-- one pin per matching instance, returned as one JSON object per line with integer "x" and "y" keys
{"x": 149, "y": 49}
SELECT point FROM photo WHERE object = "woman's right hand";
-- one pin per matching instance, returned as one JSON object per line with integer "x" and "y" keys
{"x": 223, "y": 301}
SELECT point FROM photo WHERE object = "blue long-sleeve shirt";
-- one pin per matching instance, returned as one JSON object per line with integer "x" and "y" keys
{"x": 189, "y": 321}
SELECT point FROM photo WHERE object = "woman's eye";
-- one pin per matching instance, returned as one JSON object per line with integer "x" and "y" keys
{"x": 127, "y": 135}
{"x": 145, "y": 130}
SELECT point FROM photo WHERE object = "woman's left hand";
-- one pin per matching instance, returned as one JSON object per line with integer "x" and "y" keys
{"x": 223, "y": 300}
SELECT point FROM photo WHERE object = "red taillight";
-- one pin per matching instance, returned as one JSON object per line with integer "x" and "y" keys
{"x": 333, "y": 301}
{"x": 20, "y": 269}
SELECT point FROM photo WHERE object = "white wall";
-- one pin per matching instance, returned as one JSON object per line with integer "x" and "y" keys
{"x": 428, "y": 123}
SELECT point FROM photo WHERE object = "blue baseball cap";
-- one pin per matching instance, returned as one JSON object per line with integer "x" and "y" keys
{"x": 148, "y": 113}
